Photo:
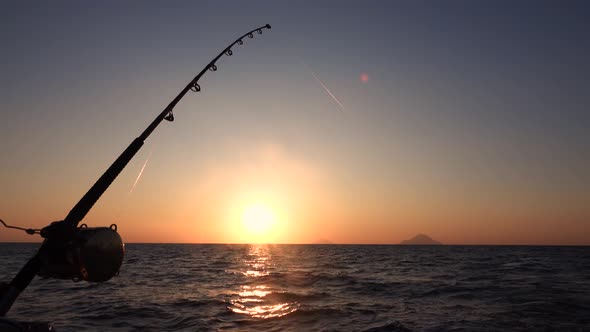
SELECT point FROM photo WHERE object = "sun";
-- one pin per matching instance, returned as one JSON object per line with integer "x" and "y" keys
{"x": 258, "y": 220}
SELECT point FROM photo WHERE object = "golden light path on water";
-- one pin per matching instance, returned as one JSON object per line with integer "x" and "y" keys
{"x": 254, "y": 298}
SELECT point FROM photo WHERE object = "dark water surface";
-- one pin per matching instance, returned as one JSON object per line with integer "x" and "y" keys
{"x": 170, "y": 287}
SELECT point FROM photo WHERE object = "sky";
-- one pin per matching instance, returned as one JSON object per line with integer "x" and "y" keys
{"x": 349, "y": 121}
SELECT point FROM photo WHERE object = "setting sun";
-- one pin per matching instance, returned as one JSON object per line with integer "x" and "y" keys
{"x": 258, "y": 220}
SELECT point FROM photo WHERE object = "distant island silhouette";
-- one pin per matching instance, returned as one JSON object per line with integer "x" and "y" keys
{"x": 420, "y": 239}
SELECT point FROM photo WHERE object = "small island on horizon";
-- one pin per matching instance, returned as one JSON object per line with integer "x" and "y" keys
{"x": 421, "y": 239}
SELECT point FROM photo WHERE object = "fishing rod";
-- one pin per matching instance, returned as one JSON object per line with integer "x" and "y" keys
{"x": 93, "y": 254}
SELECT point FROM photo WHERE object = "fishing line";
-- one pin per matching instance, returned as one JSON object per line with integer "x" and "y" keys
{"x": 30, "y": 231}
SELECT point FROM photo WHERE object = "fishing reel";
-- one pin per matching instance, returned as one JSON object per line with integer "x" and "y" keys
{"x": 94, "y": 254}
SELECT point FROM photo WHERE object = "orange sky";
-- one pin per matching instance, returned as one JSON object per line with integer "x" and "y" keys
{"x": 308, "y": 202}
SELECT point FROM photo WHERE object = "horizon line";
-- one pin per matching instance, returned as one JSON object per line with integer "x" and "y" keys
{"x": 337, "y": 244}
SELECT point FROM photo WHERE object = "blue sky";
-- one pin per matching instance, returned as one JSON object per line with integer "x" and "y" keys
{"x": 470, "y": 107}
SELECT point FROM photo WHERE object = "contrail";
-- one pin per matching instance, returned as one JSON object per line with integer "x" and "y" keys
{"x": 324, "y": 86}
{"x": 140, "y": 173}
{"x": 126, "y": 202}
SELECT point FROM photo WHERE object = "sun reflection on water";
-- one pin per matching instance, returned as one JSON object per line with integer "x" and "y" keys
{"x": 255, "y": 298}
{"x": 257, "y": 291}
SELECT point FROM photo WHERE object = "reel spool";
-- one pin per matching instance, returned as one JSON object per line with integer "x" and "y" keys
{"x": 95, "y": 254}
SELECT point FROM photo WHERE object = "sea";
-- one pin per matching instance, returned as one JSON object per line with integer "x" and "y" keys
{"x": 219, "y": 287}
